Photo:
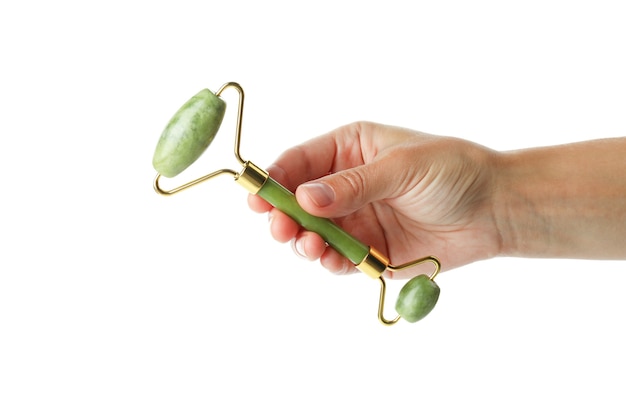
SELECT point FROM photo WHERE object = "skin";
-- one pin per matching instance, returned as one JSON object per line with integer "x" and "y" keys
{"x": 411, "y": 194}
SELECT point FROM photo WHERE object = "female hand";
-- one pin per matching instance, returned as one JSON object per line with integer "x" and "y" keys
{"x": 406, "y": 193}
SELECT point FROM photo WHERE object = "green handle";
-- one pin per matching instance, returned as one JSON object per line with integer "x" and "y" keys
{"x": 284, "y": 200}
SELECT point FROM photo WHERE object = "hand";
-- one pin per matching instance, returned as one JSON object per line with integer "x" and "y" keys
{"x": 406, "y": 193}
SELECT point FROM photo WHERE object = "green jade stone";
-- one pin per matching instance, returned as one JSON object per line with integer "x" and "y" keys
{"x": 417, "y": 298}
{"x": 284, "y": 200}
{"x": 189, "y": 133}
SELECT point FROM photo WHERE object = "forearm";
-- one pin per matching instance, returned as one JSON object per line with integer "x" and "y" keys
{"x": 564, "y": 201}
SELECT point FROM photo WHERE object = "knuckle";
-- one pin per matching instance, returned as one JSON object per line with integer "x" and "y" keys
{"x": 355, "y": 183}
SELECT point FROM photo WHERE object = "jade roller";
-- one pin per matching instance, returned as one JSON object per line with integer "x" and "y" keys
{"x": 189, "y": 133}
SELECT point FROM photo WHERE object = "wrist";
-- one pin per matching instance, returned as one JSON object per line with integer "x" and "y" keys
{"x": 522, "y": 226}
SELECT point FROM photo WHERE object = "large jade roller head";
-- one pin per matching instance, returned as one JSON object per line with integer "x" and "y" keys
{"x": 189, "y": 133}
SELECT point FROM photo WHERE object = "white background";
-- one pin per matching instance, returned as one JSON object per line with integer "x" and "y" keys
{"x": 116, "y": 301}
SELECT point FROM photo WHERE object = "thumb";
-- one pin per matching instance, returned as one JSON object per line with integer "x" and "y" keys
{"x": 344, "y": 192}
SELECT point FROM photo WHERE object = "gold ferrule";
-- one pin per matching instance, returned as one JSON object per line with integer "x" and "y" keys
{"x": 252, "y": 177}
{"x": 374, "y": 264}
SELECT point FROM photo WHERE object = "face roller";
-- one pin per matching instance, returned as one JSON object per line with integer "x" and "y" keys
{"x": 192, "y": 129}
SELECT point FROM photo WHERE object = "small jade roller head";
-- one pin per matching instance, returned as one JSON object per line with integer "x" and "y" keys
{"x": 417, "y": 298}
{"x": 189, "y": 133}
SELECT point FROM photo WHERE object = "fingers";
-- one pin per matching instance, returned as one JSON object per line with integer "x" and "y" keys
{"x": 311, "y": 246}
{"x": 257, "y": 204}
{"x": 335, "y": 263}
{"x": 337, "y": 173}
{"x": 338, "y": 150}
{"x": 343, "y": 193}
{"x": 282, "y": 227}
{"x": 307, "y": 244}
{"x": 334, "y": 151}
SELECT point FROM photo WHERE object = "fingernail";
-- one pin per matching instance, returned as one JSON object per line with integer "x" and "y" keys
{"x": 298, "y": 247}
{"x": 321, "y": 194}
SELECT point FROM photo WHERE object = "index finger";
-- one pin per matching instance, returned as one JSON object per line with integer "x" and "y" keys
{"x": 331, "y": 152}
